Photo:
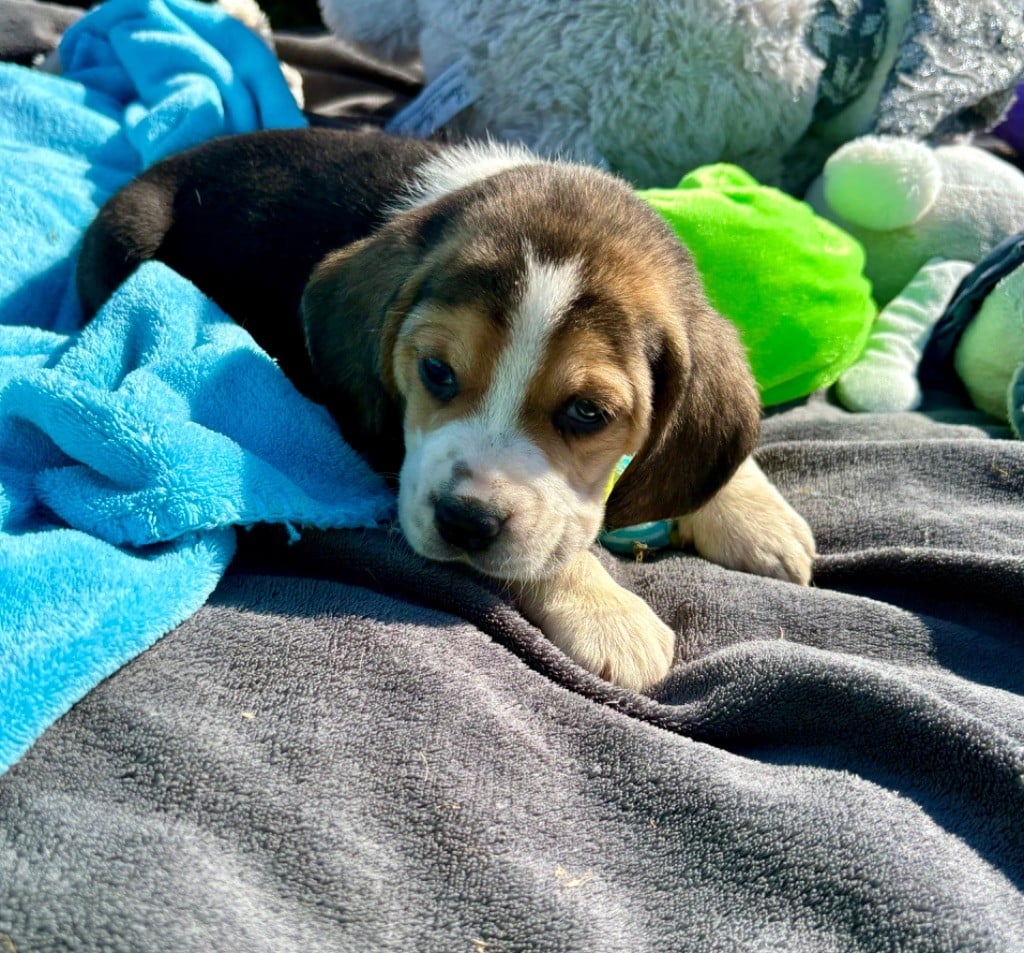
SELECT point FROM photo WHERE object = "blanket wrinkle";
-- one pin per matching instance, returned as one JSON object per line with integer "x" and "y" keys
{"x": 130, "y": 448}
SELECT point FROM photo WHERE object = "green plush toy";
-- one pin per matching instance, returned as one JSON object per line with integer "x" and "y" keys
{"x": 979, "y": 338}
{"x": 990, "y": 356}
{"x": 791, "y": 281}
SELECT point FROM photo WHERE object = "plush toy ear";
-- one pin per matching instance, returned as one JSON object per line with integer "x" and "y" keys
{"x": 352, "y": 308}
{"x": 882, "y": 182}
{"x": 705, "y": 422}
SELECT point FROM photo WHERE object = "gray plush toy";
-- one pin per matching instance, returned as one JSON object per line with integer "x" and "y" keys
{"x": 654, "y": 88}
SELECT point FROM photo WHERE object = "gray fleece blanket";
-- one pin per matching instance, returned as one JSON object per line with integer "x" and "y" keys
{"x": 351, "y": 750}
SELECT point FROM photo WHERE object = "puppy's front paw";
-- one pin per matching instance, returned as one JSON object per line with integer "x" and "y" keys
{"x": 623, "y": 642}
{"x": 750, "y": 527}
{"x": 601, "y": 626}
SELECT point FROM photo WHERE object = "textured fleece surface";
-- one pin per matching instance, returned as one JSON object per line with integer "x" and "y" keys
{"x": 380, "y": 754}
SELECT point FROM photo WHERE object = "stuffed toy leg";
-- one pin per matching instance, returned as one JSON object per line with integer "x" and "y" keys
{"x": 884, "y": 378}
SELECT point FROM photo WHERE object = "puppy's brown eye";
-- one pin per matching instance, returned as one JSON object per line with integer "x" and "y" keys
{"x": 438, "y": 378}
{"x": 582, "y": 416}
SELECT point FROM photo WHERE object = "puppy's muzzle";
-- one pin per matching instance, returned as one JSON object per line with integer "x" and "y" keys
{"x": 466, "y": 524}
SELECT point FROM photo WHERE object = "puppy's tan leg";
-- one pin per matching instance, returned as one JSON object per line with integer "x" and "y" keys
{"x": 748, "y": 526}
{"x": 601, "y": 626}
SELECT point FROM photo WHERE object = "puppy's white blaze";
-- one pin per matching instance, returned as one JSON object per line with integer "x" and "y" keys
{"x": 549, "y": 289}
{"x": 460, "y": 166}
{"x": 546, "y": 518}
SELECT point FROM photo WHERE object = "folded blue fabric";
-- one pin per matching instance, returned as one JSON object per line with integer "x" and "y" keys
{"x": 141, "y": 79}
{"x": 181, "y": 71}
{"x": 131, "y": 448}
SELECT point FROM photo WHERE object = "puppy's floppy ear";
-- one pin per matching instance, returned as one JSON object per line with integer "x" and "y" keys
{"x": 352, "y": 308}
{"x": 705, "y": 422}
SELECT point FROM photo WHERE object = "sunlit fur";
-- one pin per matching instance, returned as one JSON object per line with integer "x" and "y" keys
{"x": 541, "y": 284}
{"x": 571, "y": 327}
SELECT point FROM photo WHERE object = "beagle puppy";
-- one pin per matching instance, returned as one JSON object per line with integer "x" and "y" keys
{"x": 498, "y": 331}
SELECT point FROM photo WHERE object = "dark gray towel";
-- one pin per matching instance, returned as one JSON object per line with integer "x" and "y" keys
{"x": 398, "y": 761}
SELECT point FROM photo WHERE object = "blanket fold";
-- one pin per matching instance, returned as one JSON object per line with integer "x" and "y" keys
{"x": 129, "y": 449}
{"x": 182, "y": 71}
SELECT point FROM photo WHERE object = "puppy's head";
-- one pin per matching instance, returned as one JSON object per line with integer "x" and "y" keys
{"x": 536, "y": 322}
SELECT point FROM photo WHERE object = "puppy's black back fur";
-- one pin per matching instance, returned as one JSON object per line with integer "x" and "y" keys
{"x": 246, "y": 219}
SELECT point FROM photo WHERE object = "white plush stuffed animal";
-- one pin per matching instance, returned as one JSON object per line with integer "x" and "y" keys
{"x": 926, "y": 217}
{"x": 654, "y": 88}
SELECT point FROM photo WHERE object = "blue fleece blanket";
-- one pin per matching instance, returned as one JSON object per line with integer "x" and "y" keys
{"x": 131, "y": 448}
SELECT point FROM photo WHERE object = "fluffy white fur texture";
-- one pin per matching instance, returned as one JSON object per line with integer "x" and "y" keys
{"x": 648, "y": 88}
{"x": 461, "y": 166}
{"x": 390, "y": 28}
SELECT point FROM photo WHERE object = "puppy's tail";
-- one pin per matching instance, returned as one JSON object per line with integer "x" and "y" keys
{"x": 129, "y": 229}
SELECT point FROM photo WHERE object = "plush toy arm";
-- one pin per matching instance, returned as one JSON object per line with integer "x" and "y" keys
{"x": 884, "y": 378}
{"x": 881, "y": 183}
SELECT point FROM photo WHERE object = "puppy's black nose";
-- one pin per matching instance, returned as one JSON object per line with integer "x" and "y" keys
{"x": 466, "y": 525}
